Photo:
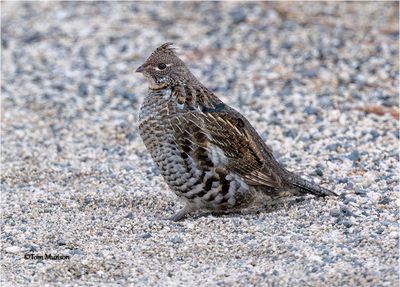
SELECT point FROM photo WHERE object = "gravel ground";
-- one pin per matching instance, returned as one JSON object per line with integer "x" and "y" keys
{"x": 319, "y": 81}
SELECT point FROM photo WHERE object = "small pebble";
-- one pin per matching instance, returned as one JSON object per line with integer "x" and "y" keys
{"x": 360, "y": 191}
{"x": 354, "y": 155}
{"x": 310, "y": 111}
{"x": 384, "y": 200}
{"x": 346, "y": 223}
{"x": 333, "y": 147}
{"x": 238, "y": 15}
{"x": 13, "y": 249}
{"x": 176, "y": 240}
{"x": 146, "y": 235}
{"x": 82, "y": 90}
{"x": 334, "y": 212}
{"x": 394, "y": 234}
{"x": 319, "y": 172}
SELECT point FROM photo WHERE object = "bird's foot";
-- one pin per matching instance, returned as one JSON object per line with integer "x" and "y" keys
{"x": 181, "y": 213}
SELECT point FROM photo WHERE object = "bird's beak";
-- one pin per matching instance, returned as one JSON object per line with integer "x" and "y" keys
{"x": 140, "y": 69}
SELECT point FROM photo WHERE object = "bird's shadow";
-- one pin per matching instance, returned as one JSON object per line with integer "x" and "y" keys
{"x": 279, "y": 204}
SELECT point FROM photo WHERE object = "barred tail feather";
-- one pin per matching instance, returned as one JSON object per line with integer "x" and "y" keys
{"x": 305, "y": 186}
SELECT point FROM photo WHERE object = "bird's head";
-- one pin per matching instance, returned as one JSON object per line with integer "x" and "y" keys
{"x": 164, "y": 69}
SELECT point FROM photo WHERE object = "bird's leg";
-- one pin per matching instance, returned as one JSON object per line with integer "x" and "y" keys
{"x": 182, "y": 213}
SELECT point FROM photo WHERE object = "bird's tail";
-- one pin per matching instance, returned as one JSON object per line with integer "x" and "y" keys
{"x": 305, "y": 186}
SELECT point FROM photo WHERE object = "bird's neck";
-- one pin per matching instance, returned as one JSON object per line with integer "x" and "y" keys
{"x": 194, "y": 96}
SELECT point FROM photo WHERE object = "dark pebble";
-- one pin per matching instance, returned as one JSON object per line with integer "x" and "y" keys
{"x": 129, "y": 215}
{"x": 59, "y": 87}
{"x": 333, "y": 147}
{"x": 334, "y": 212}
{"x": 384, "y": 200}
{"x": 288, "y": 46}
{"x": 340, "y": 245}
{"x": 274, "y": 120}
{"x": 123, "y": 48}
{"x": 87, "y": 200}
{"x": 360, "y": 191}
{"x": 31, "y": 38}
{"x": 99, "y": 90}
{"x": 146, "y": 235}
{"x": 347, "y": 200}
{"x": 387, "y": 223}
{"x": 319, "y": 172}
{"x": 310, "y": 111}
{"x": 22, "y": 229}
{"x": 354, "y": 155}
{"x": 290, "y": 133}
{"x": 335, "y": 158}
{"x": 286, "y": 91}
{"x": 346, "y": 223}
{"x": 31, "y": 248}
{"x": 61, "y": 242}
{"x": 328, "y": 259}
{"x": 130, "y": 97}
{"x": 248, "y": 238}
{"x": 349, "y": 186}
{"x": 212, "y": 31}
{"x": 176, "y": 240}
{"x": 10, "y": 240}
{"x": 305, "y": 138}
{"x": 310, "y": 74}
{"x": 4, "y": 43}
{"x": 238, "y": 15}
{"x": 397, "y": 134}
{"x": 82, "y": 90}
{"x": 155, "y": 170}
{"x": 131, "y": 136}
{"x": 314, "y": 269}
{"x": 374, "y": 134}
{"x": 345, "y": 211}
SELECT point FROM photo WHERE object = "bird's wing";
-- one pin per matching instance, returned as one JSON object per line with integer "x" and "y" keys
{"x": 225, "y": 138}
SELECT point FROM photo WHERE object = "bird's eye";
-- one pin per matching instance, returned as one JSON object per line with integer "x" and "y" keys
{"x": 161, "y": 66}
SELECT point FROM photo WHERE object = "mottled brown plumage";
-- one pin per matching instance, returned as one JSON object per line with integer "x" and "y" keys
{"x": 208, "y": 153}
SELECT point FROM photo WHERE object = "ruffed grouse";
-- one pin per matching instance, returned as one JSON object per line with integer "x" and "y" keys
{"x": 207, "y": 152}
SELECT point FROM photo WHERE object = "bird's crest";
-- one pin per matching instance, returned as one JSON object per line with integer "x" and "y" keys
{"x": 165, "y": 49}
